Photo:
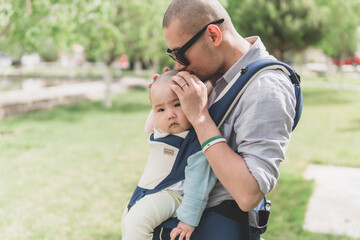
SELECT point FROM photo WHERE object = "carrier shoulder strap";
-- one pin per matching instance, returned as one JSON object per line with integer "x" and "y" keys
{"x": 234, "y": 90}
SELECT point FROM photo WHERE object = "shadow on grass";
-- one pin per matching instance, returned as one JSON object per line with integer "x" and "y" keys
{"x": 354, "y": 126}
{"x": 325, "y": 97}
{"x": 131, "y": 102}
{"x": 107, "y": 236}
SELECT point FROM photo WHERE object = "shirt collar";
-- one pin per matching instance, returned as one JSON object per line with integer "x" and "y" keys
{"x": 256, "y": 51}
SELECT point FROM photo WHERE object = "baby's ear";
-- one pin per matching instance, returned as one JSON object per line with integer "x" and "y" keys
{"x": 150, "y": 123}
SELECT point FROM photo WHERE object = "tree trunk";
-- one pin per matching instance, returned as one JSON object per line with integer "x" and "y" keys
{"x": 71, "y": 72}
{"x": 108, "y": 79}
{"x": 156, "y": 66}
{"x": 138, "y": 67}
{"x": 328, "y": 69}
{"x": 341, "y": 75}
{"x": 84, "y": 69}
{"x": 278, "y": 54}
{"x": 302, "y": 62}
{"x": 118, "y": 72}
{"x": 29, "y": 7}
{"x": 4, "y": 29}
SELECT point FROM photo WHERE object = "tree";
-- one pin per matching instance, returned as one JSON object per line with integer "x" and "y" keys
{"x": 340, "y": 40}
{"x": 28, "y": 26}
{"x": 283, "y": 25}
{"x": 106, "y": 28}
{"x": 110, "y": 28}
{"x": 15, "y": 20}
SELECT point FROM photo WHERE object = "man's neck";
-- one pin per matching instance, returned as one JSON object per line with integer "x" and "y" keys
{"x": 234, "y": 48}
{"x": 237, "y": 47}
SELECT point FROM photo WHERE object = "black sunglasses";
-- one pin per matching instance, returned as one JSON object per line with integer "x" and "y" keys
{"x": 178, "y": 54}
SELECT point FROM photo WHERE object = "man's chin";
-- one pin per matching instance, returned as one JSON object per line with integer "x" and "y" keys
{"x": 203, "y": 79}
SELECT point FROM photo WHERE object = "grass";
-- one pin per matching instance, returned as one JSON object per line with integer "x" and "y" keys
{"x": 328, "y": 134}
{"x": 67, "y": 173}
{"x": 329, "y": 130}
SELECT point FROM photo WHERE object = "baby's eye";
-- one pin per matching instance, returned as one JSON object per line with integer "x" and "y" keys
{"x": 160, "y": 110}
{"x": 177, "y": 104}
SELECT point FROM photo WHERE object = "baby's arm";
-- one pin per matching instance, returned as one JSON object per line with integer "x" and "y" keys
{"x": 199, "y": 181}
{"x": 183, "y": 230}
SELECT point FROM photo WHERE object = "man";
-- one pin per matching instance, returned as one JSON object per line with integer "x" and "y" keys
{"x": 203, "y": 41}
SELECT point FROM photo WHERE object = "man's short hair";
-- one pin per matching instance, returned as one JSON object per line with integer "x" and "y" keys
{"x": 194, "y": 14}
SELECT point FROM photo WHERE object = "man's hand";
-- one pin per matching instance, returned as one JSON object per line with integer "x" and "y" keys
{"x": 193, "y": 96}
{"x": 182, "y": 230}
{"x": 156, "y": 75}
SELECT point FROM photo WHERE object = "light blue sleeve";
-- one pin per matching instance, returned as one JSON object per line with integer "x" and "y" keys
{"x": 199, "y": 181}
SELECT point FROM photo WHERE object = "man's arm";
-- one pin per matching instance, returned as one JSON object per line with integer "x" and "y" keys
{"x": 229, "y": 167}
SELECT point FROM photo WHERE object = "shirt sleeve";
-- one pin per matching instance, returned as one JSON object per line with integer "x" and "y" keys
{"x": 199, "y": 181}
{"x": 263, "y": 126}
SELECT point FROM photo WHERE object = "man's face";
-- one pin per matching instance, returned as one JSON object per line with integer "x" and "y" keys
{"x": 200, "y": 55}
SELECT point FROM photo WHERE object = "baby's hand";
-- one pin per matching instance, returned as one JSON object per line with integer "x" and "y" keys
{"x": 183, "y": 230}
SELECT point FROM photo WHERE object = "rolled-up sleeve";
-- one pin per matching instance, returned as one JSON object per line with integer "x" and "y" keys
{"x": 261, "y": 126}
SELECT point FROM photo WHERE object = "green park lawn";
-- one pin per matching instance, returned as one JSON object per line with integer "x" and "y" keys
{"x": 67, "y": 173}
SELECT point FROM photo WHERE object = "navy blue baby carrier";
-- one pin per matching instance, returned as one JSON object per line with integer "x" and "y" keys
{"x": 218, "y": 111}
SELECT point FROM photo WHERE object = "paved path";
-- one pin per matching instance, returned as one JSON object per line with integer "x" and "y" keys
{"x": 20, "y": 101}
{"x": 334, "y": 206}
{"x": 336, "y": 86}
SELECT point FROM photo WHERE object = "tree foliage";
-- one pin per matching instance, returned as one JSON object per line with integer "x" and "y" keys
{"x": 341, "y": 38}
{"x": 35, "y": 26}
{"x": 283, "y": 25}
{"x": 107, "y": 28}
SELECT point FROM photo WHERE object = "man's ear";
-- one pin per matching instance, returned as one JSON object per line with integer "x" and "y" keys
{"x": 215, "y": 34}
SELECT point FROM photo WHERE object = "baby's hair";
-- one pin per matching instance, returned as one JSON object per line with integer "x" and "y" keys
{"x": 166, "y": 76}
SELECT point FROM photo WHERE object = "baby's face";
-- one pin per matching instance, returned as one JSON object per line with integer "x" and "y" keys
{"x": 168, "y": 114}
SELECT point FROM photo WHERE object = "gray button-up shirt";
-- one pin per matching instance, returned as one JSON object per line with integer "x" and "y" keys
{"x": 259, "y": 126}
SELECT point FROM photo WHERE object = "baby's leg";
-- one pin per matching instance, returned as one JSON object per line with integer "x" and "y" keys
{"x": 148, "y": 213}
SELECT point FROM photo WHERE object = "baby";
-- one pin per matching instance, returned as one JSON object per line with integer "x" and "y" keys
{"x": 139, "y": 221}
